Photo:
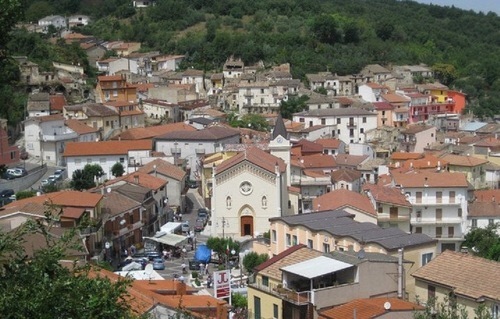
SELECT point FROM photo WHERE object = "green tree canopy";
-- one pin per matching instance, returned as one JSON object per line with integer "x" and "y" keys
{"x": 293, "y": 105}
{"x": 86, "y": 178}
{"x": 39, "y": 286}
{"x": 484, "y": 242}
{"x": 252, "y": 260}
{"x": 117, "y": 169}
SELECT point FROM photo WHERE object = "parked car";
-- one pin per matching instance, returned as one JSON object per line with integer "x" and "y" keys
{"x": 45, "y": 182}
{"x": 52, "y": 179}
{"x": 199, "y": 225}
{"x": 151, "y": 255}
{"x": 8, "y": 176}
{"x": 185, "y": 227}
{"x": 192, "y": 184}
{"x": 17, "y": 172}
{"x": 6, "y": 193}
{"x": 60, "y": 173}
{"x": 158, "y": 264}
{"x": 203, "y": 215}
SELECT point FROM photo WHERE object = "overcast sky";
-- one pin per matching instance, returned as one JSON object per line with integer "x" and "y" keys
{"x": 476, "y": 5}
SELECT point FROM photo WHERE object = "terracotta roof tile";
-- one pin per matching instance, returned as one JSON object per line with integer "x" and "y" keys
{"x": 417, "y": 128}
{"x": 329, "y": 142}
{"x": 255, "y": 156}
{"x": 486, "y": 195}
{"x": 382, "y": 106}
{"x": 348, "y": 175}
{"x": 469, "y": 275}
{"x": 350, "y": 160}
{"x": 484, "y": 209}
{"x": 80, "y": 127}
{"x": 431, "y": 179}
{"x": 389, "y": 195}
{"x": 427, "y": 162}
{"x": 488, "y": 142}
{"x": 143, "y": 179}
{"x": 308, "y": 146}
{"x": 341, "y": 198}
{"x": 459, "y": 160}
{"x": 395, "y": 98}
{"x": 405, "y": 156}
{"x": 105, "y": 147}
{"x": 322, "y": 161}
{"x": 141, "y": 133}
{"x": 369, "y": 308}
{"x": 105, "y": 78}
{"x": 62, "y": 198}
{"x": 163, "y": 168}
{"x": 57, "y": 102}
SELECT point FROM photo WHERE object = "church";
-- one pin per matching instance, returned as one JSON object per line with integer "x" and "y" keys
{"x": 251, "y": 187}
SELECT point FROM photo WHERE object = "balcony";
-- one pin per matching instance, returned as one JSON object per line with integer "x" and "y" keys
{"x": 420, "y": 221}
{"x": 297, "y": 298}
{"x": 248, "y": 94}
{"x": 59, "y": 135}
{"x": 199, "y": 150}
{"x": 91, "y": 229}
{"x": 351, "y": 125}
{"x": 175, "y": 150}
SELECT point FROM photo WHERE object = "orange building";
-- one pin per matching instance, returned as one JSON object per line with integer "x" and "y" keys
{"x": 115, "y": 88}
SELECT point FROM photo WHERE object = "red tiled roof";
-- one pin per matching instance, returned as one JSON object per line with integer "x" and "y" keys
{"x": 255, "y": 156}
{"x": 488, "y": 142}
{"x": 141, "y": 133}
{"x": 382, "y": 106}
{"x": 61, "y": 198}
{"x": 428, "y": 161}
{"x": 395, "y": 98}
{"x": 80, "y": 127}
{"x": 459, "y": 160}
{"x": 105, "y": 147}
{"x": 279, "y": 256}
{"x": 308, "y": 146}
{"x": 385, "y": 194}
{"x": 57, "y": 102}
{"x": 315, "y": 161}
{"x": 104, "y": 78}
{"x": 348, "y": 175}
{"x": 405, "y": 156}
{"x": 329, "y": 142}
{"x": 73, "y": 212}
{"x": 341, "y": 198}
{"x": 485, "y": 208}
{"x": 350, "y": 160}
{"x": 370, "y": 308}
{"x": 163, "y": 168}
{"x": 487, "y": 195}
{"x": 142, "y": 179}
{"x": 431, "y": 179}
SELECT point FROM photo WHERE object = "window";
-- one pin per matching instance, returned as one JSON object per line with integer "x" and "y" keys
{"x": 310, "y": 243}
{"x": 89, "y": 161}
{"x": 460, "y": 212}
{"x": 351, "y": 132}
{"x": 439, "y": 214}
{"x": 451, "y": 232}
{"x": 301, "y": 120}
{"x": 115, "y": 92}
{"x": 418, "y": 196}
{"x": 256, "y": 307}
{"x": 495, "y": 311}
{"x": 107, "y": 123}
{"x": 490, "y": 222}
{"x": 294, "y": 240}
{"x": 288, "y": 240}
{"x": 228, "y": 202}
{"x": 452, "y": 197}
{"x": 418, "y": 230}
{"x": 262, "y": 91}
{"x": 439, "y": 232}
{"x": 326, "y": 248}
{"x": 122, "y": 160}
{"x": 431, "y": 292}
{"x": 264, "y": 202}
{"x": 439, "y": 197}
{"x": 338, "y": 131}
{"x": 426, "y": 258}
{"x": 338, "y": 120}
{"x": 474, "y": 223}
{"x": 380, "y": 209}
{"x": 265, "y": 281}
{"x": 361, "y": 130}
{"x": 78, "y": 161}
{"x": 273, "y": 235}
{"x": 275, "y": 311}
{"x": 364, "y": 119}
{"x": 323, "y": 121}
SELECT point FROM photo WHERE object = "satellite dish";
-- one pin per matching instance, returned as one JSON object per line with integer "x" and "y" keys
{"x": 149, "y": 269}
{"x": 108, "y": 190}
{"x": 387, "y": 305}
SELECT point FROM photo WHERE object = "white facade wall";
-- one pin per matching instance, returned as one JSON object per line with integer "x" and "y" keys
{"x": 370, "y": 94}
{"x": 170, "y": 65}
{"x": 105, "y": 161}
{"x": 258, "y": 96}
{"x": 123, "y": 64}
{"x": 160, "y": 109}
{"x": 359, "y": 124}
{"x": 263, "y": 185}
{"x": 429, "y": 221}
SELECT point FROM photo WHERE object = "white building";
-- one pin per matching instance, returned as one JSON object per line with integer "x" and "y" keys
{"x": 347, "y": 124}
{"x": 439, "y": 201}
{"x": 46, "y": 137}
{"x": 106, "y": 154}
{"x": 78, "y": 20}
{"x": 248, "y": 189}
{"x": 193, "y": 145}
{"x": 158, "y": 109}
{"x": 169, "y": 62}
{"x": 256, "y": 97}
{"x": 58, "y": 22}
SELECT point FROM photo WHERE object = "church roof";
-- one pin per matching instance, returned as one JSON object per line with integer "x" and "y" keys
{"x": 255, "y": 156}
{"x": 279, "y": 128}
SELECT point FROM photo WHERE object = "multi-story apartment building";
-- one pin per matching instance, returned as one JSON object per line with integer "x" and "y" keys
{"x": 115, "y": 88}
{"x": 439, "y": 201}
{"x": 347, "y": 124}
{"x": 417, "y": 137}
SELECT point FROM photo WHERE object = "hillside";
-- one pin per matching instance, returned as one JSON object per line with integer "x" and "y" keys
{"x": 313, "y": 35}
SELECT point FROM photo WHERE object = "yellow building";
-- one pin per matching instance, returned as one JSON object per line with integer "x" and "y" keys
{"x": 468, "y": 280}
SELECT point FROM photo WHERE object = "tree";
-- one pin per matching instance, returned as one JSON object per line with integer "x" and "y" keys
{"x": 86, "y": 178}
{"x": 117, "y": 169}
{"x": 25, "y": 194}
{"x": 324, "y": 29}
{"x": 445, "y": 73}
{"x": 223, "y": 247}
{"x": 293, "y": 105}
{"x": 484, "y": 242}
{"x": 449, "y": 309}
{"x": 10, "y": 14}
{"x": 252, "y": 260}
{"x": 32, "y": 286}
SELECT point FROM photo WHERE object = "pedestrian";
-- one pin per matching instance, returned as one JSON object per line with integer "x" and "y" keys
{"x": 165, "y": 254}
{"x": 202, "y": 269}
{"x": 183, "y": 266}
{"x": 206, "y": 269}
{"x": 180, "y": 217}
{"x": 133, "y": 250}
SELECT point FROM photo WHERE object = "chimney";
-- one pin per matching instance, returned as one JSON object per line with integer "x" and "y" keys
{"x": 136, "y": 179}
{"x": 180, "y": 289}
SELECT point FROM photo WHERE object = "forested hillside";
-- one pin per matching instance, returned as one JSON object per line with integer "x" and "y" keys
{"x": 313, "y": 35}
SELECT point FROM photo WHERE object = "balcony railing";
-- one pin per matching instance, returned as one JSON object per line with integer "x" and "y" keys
{"x": 199, "y": 150}
{"x": 297, "y": 298}
{"x": 351, "y": 124}
{"x": 60, "y": 136}
{"x": 175, "y": 150}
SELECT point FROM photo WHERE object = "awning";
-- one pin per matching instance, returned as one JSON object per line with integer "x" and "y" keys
{"x": 168, "y": 239}
{"x": 170, "y": 227}
{"x": 316, "y": 267}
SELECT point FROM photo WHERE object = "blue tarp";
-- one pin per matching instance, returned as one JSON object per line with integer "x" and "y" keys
{"x": 203, "y": 254}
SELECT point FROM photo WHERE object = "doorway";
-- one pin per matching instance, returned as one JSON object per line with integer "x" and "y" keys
{"x": 247, "y": 226}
